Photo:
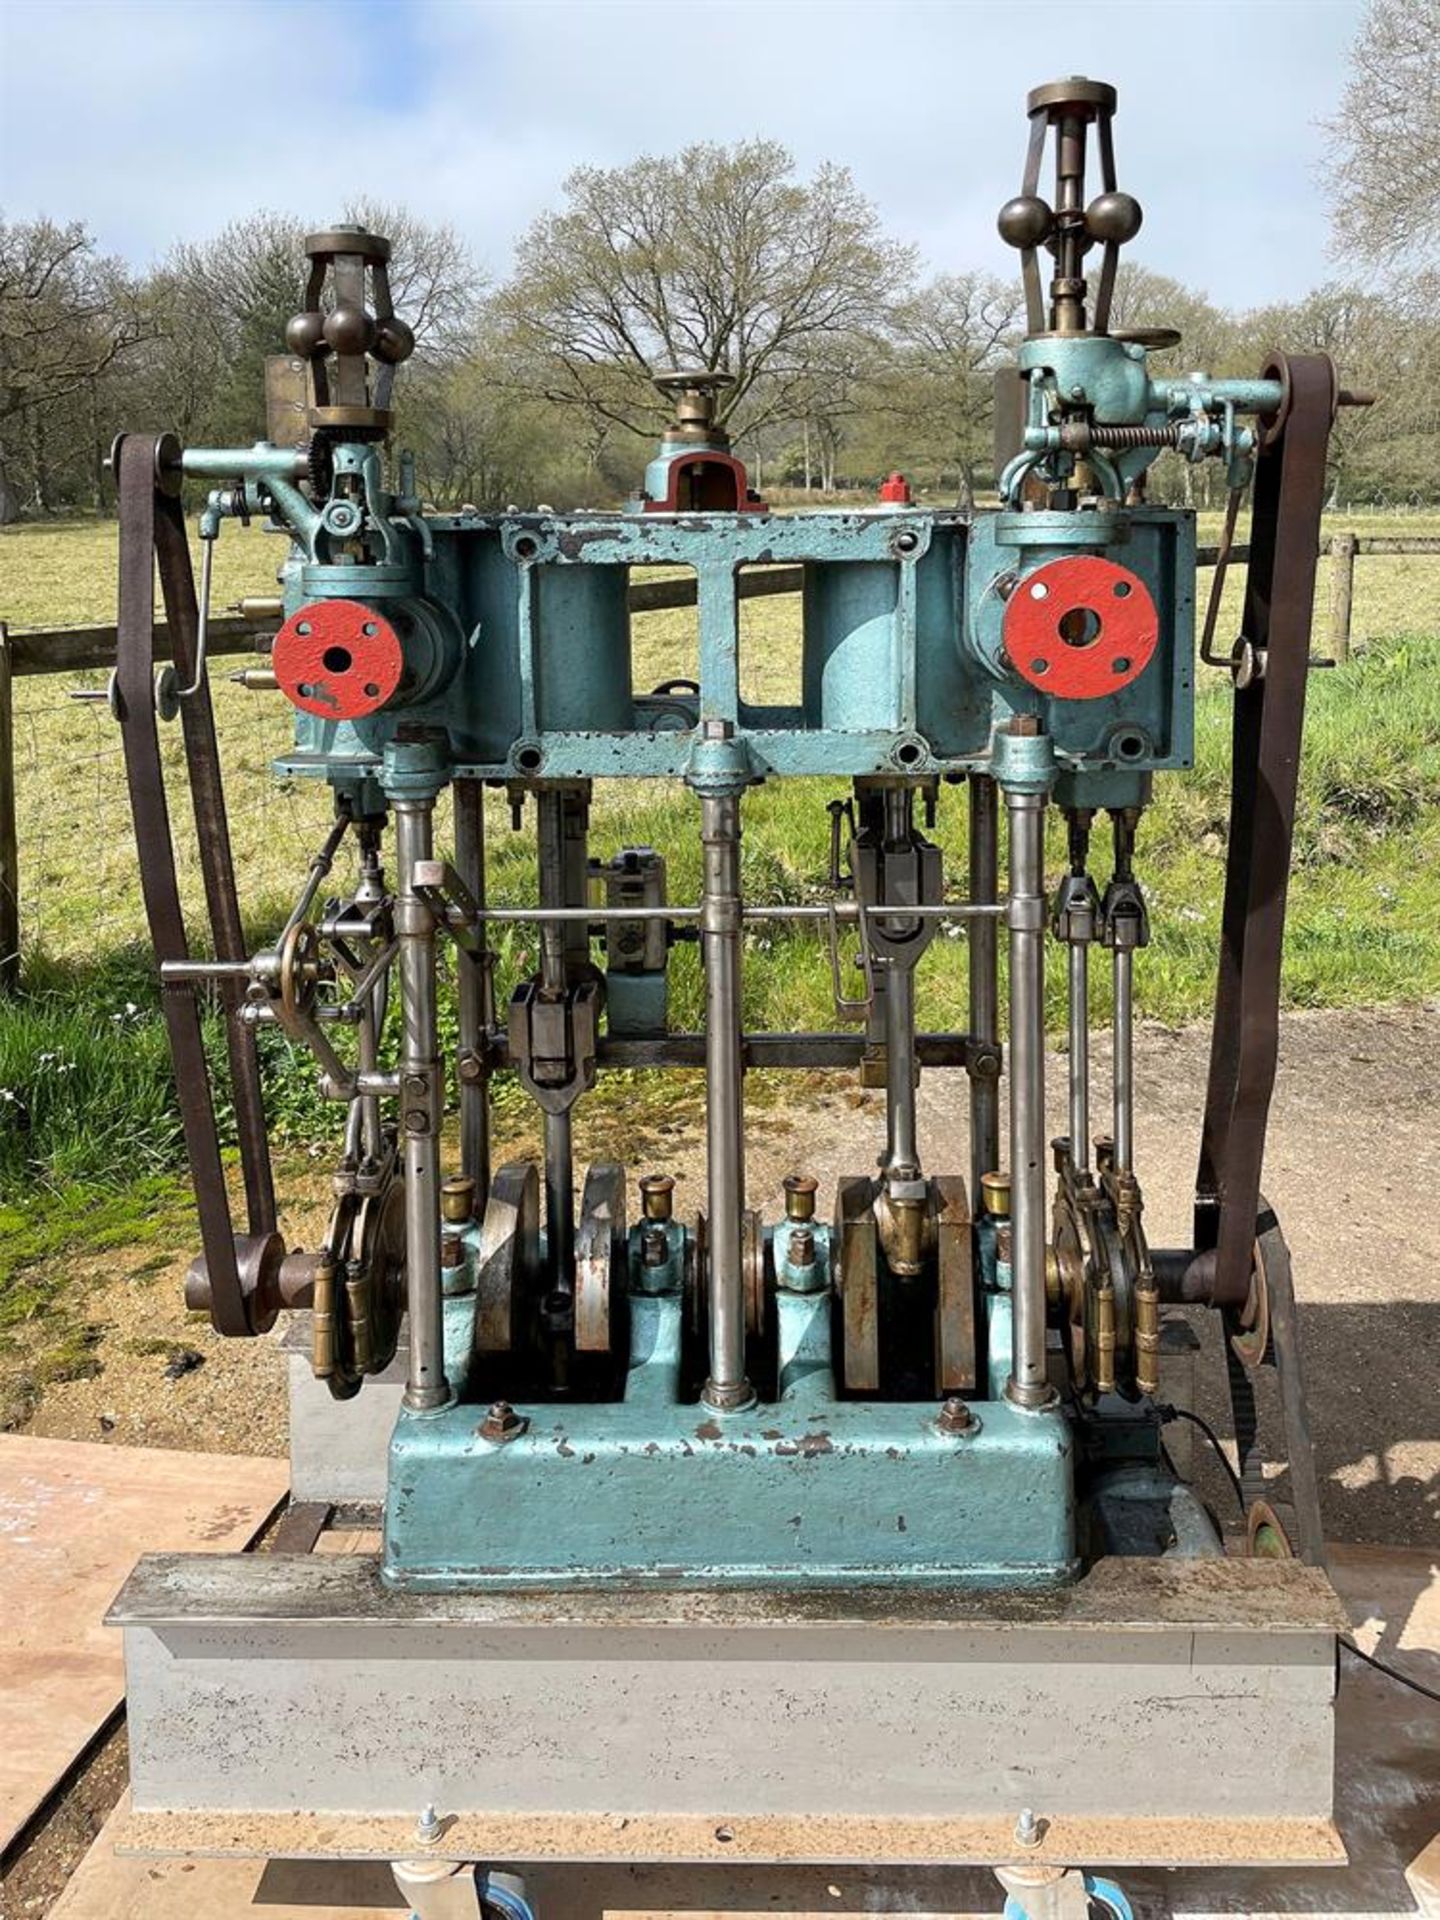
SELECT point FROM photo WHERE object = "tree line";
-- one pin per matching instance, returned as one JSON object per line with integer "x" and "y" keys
{"x": 845, "y": 360}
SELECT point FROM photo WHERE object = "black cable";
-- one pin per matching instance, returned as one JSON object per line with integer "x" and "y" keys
{"x": 1167, "y": 1414}
{"x": 1391, "y": 1673}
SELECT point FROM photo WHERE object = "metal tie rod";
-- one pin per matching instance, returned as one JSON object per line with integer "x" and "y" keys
{"x": 846, "y": 911}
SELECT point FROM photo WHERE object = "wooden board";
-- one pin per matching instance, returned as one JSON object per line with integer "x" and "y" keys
{"x": 74, "y": 1518}
{"x": 107, "y": 1887}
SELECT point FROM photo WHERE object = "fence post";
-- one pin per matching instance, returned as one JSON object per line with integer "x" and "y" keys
{"x": 9, "y": 835}
{"x": 1342, "y": 594}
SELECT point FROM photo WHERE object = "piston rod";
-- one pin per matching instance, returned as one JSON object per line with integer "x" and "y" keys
{"x": 1124, "y": 1072}
{"x": 902, "y": 1152}
{"x": 727, "y": 1388}
{"x": 1079, "y": 1060}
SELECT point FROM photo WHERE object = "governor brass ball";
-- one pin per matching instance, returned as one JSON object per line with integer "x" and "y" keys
{"x": 305, "y": 335}
{"x": 1025, "y": 221}
{"x": 1113, "y": 217}
{"x": 394, "y": 341}
{"x": 349, "y": 329}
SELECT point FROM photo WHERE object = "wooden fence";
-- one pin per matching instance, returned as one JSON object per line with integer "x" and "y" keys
{"x": 45, "y": 650}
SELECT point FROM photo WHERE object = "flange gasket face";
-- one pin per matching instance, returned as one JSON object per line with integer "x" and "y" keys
{"x": 1080, "y": 627}
{"x": 338, "y": 659}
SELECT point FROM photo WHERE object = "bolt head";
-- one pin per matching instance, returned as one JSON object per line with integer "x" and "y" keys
{"x": 802, "y": 1247}
{"x": 502, "y": 1423}
{"x": 955, "y": 1416}
{"x": 1027, "y": 1828}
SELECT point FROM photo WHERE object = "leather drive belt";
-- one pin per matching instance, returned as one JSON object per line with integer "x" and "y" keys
{"x": 238, "y": 1270}
{"x": 1268, "y": 722}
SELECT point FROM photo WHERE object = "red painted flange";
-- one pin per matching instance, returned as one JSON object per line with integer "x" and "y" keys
{"x": 338, "y": 658}
{"x": 1080, "y": 627}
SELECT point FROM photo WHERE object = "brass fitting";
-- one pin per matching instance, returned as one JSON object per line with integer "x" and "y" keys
{"x": 995, "y": 1194}
{"x": 1147, "y": 1338}
{"x": 457, "y": 1200}
{"x": 657, "y": 1196}
{"x": 907, "y": 1228}
{"x": 1102, "y": 1366}
{"x": 322, "y": 1321}
{"x": 800, "y": 1191}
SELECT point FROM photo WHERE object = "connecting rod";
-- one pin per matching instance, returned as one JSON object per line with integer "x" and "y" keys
{"x": 477, "y": 997}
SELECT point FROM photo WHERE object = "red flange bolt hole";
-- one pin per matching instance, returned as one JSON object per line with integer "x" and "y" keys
{"x": 1080, "y": 628}
{"x": 338, "y": 659}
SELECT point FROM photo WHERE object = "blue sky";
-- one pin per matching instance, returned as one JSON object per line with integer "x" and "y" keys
{"x": 153, "y": 120}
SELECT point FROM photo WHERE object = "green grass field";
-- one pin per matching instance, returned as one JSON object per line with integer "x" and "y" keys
{"x": 86, "y": 1123}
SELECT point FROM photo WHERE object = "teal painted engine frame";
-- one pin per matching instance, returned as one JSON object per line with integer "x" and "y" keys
{"x": 805, "y": 1490}
{"x": 902, "y": 669}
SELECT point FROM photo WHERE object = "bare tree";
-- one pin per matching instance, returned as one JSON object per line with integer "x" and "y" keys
{"x": 66, "y": 316}
{"x": 435, "y": 281}
{"x": 1386, "y": 171}
{"x": 222, "y": 306}
{"x": 716, "y": 257}
{"x": 936, "y": 384}
{"x": 1375, "y": 346}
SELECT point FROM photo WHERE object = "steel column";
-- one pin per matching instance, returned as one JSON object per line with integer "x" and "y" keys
{"x": 727, "y": 1387}
{"x": 1026, "y": 816}
{"x": 420, "y": 1104}
{"x": 984, "y": 942}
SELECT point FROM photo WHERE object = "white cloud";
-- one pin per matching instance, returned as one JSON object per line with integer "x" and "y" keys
{"x": 153, "y": 121}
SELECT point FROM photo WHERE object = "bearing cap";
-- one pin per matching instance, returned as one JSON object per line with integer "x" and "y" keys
{"x": 1080, "y": 627}
{"x": 338, "y": 659}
